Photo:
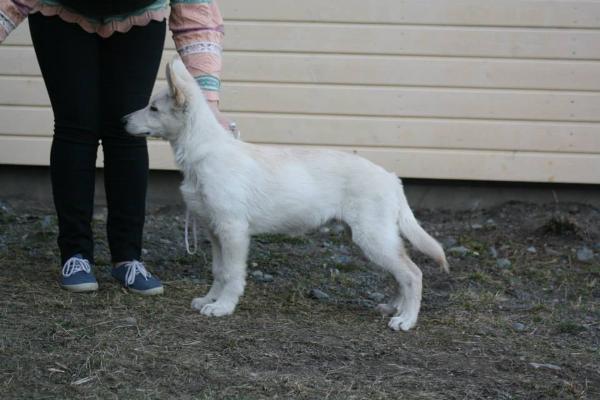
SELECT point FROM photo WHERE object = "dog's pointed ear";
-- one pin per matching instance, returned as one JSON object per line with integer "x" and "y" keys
{"x": 176, "y": 86}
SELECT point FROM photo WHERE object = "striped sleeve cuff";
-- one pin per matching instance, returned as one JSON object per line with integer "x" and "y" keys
{"x": 197, "y": 27}
{"x": 3, "y": 35}
{"x": 210, "y": 85}
{"x": 12, "y": 13}
{"x": 6, "y": 25}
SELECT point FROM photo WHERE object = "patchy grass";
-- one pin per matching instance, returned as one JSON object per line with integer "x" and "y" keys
{"x": 530, "y": 331}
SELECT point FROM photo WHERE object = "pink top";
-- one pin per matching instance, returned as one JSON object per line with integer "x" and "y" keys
{"x": 196, "y": 25}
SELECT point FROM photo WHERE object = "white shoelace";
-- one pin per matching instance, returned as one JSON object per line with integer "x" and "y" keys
{"x": 187, "y": 241}
{"x": 134, "y": 268}
{"x": 74, "y": 265}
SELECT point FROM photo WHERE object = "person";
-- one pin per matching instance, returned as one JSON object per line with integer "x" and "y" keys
{"x": 99, "y": 60}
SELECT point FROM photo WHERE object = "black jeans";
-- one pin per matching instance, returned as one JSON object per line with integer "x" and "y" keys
{"x": 93, "y": 82}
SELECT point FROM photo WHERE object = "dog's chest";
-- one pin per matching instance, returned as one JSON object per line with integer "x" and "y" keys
{"x": 193, "y": 197}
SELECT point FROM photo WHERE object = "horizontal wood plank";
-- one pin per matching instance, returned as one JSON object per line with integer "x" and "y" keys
{"x": 374, "y": 70}
{"x": 414, "y": 40}
{"x": 381, "y": 132}
{"x": 409, "y": 102}
{"x": 528, "y": 13}
{"x": 399, "y": 40}
{"x": 419, "y": 133}
{"x": 412, "y": 71}
{"x": 370, "y": 101}
{"x": 408, "y": 163}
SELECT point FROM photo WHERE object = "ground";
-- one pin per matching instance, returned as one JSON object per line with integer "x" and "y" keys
{"x": 518, "y": 317}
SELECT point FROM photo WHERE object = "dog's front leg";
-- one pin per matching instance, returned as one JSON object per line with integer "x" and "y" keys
{"x": 234, "y": 241}
{"x": 217, "y": 272}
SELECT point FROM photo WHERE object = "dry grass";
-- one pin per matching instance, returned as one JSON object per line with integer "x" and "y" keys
{"x": 282, "y": 344}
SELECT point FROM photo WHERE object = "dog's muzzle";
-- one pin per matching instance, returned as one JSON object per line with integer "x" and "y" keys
{"x": 125, "y": 121}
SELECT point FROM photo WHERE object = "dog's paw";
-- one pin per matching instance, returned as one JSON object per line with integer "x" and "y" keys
{"x": 200, "y": 302}
{"x": 217, "y": 309}
{"x": 403, "y": 321}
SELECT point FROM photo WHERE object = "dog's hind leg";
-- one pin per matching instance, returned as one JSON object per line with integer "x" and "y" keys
{"x": 383, "y": 246}
{"x": 234, "y": 240}
{"x": 217, "y": 269}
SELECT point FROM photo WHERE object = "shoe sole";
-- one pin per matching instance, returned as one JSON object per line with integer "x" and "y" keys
{"x": 82, "y": 287}
{"x": 148, "y": 292}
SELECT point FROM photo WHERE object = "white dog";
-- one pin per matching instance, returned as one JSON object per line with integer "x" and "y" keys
{"x": 238, "y": 189}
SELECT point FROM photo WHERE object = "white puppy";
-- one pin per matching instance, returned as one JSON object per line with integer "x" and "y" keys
{"x": 238, "y": 189}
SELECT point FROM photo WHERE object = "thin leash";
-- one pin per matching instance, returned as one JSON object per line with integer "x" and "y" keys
{"x": 194, "y": 233}
{"x": 236, "y": 133}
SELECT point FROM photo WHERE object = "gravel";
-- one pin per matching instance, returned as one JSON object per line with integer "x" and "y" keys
{"x": 460, "y": 251}
{"x": 376, "y": 296}
{"x": 585, "y": 254}
{"x": 448, "y": 242}
{"x": 318, "y": 294}
{"x": 518, "y": 326}
{"x": 503, "y": 263}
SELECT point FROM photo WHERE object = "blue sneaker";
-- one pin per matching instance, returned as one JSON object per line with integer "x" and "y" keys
{"x": 76, "y": 275}
{"x": 134, "y": 277}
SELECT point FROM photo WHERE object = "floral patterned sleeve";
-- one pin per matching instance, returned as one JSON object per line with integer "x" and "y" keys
{"x": 12, "y": 13}
{"x": 197, "y": 28}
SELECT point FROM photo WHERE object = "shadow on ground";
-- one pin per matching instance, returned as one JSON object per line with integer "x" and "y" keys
{"x": 517, "y": 318}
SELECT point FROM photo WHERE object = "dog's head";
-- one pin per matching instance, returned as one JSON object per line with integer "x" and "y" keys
{"x": 165, "y": 115}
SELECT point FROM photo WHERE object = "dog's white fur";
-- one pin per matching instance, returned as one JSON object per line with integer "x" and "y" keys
{"x": 238, "y": 189}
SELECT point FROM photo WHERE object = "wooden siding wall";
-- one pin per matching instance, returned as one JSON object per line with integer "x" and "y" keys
{"x": 450, "y": 89}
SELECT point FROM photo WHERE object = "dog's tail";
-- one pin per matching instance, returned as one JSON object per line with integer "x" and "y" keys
{"x": 410, "y": 229}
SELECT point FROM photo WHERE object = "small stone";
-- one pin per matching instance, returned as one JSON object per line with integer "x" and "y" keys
{"x": 493, "y": 252}
{"x": 458, "y": 251}
{"x": 490, "y": 222}
{"x": 551, "y": 252}
{"x": 145, "y": 252}
{"x": 46, "y": 222}
{"x": 585, "y": 254}
{"x": 258, "y": 275}
{"x": 518, "y": 326}
{"x": 532, "y": 250}
{"x": 131, "y": 321}
{"x": 448, "y": 242}
{"x": 324, "y": 229}
{"x": 476, "y": 226}
{"x": 503, "y": 263}
{"x": 376, "y": 296}
{"x": 338, "y": 228}
{"x": 342, "y": 259}
{"x": 254, "y": 264}
{"x": 318, "y": 294}
{"x": 334, "y": 271}
{"x": 165, "y": 241}
{"x": 549, "y": 366}
{"x": 344, "y": 249}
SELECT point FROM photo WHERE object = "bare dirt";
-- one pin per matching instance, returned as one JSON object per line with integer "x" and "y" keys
{"x": 517, "y": 318}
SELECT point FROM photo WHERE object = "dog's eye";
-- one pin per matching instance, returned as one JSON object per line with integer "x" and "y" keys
{"x": 154, "y": 109}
